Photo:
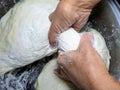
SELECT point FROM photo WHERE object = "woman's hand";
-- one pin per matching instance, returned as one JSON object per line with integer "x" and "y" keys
{"x": 84, "y": 67}
{"x": 69, "y": 13}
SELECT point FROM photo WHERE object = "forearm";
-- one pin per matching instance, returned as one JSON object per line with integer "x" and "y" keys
{"x": 105, "y": 83}
{"x": 88, "y": 4}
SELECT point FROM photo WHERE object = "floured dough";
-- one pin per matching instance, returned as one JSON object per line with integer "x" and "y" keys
{"x": 69, "y": 40}
{"x": 49, "y": 81}
{"x": 24, "y": 33}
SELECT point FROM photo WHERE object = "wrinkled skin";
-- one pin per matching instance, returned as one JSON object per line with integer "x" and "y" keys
{"x": 85, "y": 68}
{"x": 69, "y": 13}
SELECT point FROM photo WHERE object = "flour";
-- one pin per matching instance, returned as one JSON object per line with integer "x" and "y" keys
{"x": 24, "y": 33}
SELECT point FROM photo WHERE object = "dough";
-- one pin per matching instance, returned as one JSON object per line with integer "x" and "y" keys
{"x": 24, "y": 33}
{"x": 69, "y": 40}
{"x": 49, "y": 81}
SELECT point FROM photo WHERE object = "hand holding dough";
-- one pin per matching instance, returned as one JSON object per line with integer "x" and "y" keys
{"x": 69, "y": 40}
{"x": 84, "y": 67}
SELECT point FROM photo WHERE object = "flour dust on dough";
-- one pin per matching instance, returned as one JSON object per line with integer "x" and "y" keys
{"x": 24, "y": 33}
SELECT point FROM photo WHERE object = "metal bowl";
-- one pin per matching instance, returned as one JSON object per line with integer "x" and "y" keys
{"x": 105, "y": 18}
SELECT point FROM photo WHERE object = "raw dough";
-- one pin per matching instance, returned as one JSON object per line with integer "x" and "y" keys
{"x": 24, "y": 33}
{"x": 49, "y": 81}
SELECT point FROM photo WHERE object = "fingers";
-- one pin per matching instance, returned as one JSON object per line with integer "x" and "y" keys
{"x": 64, "y": 65}
{"x": 59, "y": 24}
{"x": 67, "y": 60}
{"x": 79, "y": 25}
{"x": 70, "y": 63}
{"x": 52, "y": 37}
{"x": 65, "y": 16}
{"x": 61, "y": 74}
{"x": 55, "y": 29}
{"x": 81, "y": 21}
{"x": 61, "y": 20}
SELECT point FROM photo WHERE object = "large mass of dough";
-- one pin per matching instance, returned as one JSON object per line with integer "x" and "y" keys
{"x": 24, "y": 33}
{"x": 69, "y": 40}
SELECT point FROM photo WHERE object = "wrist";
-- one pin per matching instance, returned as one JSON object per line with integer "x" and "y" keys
{"x": 77, "y": 6}
{"x": 97, "y": 83}
{"x": 105, "y": 82}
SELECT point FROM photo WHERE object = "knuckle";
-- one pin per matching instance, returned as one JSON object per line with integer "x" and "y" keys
{"x": 61, "y": 60}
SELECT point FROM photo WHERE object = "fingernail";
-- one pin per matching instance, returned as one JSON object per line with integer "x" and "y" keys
{"x": 53, "y": 46}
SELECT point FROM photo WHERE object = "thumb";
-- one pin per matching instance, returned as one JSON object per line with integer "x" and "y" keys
{"x": 51, "y": 16}
{"x": 82, "y": 20}
{"x": 86, "y": 42}
{"x": 55, "y": 29}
